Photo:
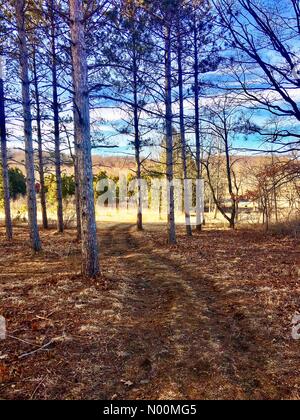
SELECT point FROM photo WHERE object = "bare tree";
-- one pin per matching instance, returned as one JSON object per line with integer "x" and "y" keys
{"x": 223, "y": 122}
{"x": 262, "y": 36}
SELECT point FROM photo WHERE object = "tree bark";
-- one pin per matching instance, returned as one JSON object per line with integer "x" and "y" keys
{"x": 57, "y": 156}
{"x": 169, "y": 136}
{"x": 77, "y": 199}
{"x": 137, "y": 142}
{"x": 90, "y": 251}
{"x": 29, "y": 155}
{"x": 275, "y": 192}
{"x": 229, "y": 180}
{"x": 40, "y": 144}
{"x": 199, "y": 219}
{"x": 182, "y": 135}
{"x": 5, "y": 177}
{"x": 76, "y": 176}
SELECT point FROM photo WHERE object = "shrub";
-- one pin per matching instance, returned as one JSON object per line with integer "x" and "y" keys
{"x": 17, "y": 184}
{"x": 68, "y": 187}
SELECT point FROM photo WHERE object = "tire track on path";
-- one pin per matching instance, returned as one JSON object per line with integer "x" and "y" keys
{"x": 177, "y": 339}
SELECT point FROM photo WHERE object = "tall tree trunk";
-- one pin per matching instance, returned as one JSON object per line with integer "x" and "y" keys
{"x": 137, "y": 142}
{"x": 77, "y": 199}
{"x": 90, "y": 251}
{"x": 40, "y": 144}
{"x": 230, "y": 185}
{"x": 275, "y": 192}
{"x": 59, "y": 197}
{"x": 5, "y": 177}
{"x": 76, "y": 175}
{"x": 199, "y": 219}
{"x": 169, "y": 136}
{"x": 29, "y": 156}
{"x": 275, "y": 204}
{"x": 182, "y": 136}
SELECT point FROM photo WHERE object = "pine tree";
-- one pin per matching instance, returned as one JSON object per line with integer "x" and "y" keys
{"x": 180, "y": 33}
{"x": 39, "y": 138}
{"x": 55, "y": 105}
{"x": 4, "y": 163}
{"x": 90, "y": 251}
{"x": 29, "y": 154}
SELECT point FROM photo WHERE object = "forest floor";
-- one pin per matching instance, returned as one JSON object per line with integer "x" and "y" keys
{"x": 209, "y": 318}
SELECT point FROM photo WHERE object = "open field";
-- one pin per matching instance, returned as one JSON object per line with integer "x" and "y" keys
{"x": 209, "y": 318}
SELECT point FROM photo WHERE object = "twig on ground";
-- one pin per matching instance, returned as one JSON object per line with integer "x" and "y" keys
{"x": 37, "y": 387}
{"x": 36, "y": 350}
{"x": 21, "y": 340}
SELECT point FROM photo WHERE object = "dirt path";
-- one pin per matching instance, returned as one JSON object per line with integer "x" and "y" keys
{"x": 184, "y": 335}
{"x": 207, "y": 319}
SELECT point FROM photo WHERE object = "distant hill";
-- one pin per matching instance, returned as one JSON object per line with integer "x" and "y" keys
{"x": 113, "y": 165}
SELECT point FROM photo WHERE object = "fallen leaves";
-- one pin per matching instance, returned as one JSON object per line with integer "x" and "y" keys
{"x": 4, "y": 373}
{"x": 208, "y": 318}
